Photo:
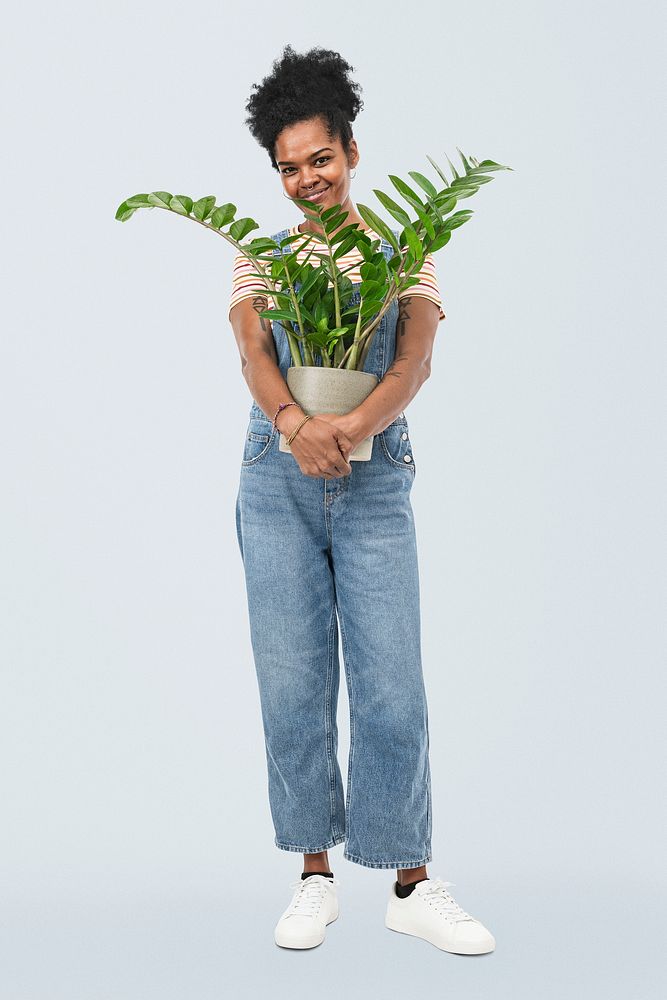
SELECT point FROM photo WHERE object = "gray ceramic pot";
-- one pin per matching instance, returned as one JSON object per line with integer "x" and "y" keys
{"x": 331, "y": 390}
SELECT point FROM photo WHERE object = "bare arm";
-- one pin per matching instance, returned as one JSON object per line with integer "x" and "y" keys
{"x": 259, "y": 361}
{"x": 416, "y": 328}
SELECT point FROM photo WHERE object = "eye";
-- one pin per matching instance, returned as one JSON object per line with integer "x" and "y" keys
{"x": 324, "y": 158}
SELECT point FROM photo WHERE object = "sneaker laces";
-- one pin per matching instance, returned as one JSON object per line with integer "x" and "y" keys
{"x": 435, "y": 891}
{"x": 309, "y": 894}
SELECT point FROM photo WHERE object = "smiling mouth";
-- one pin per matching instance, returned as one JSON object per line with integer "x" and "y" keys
{"x": 315, "y": 194}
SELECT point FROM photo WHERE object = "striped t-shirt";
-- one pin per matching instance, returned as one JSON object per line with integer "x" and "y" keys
{"x": 242, "y": 279}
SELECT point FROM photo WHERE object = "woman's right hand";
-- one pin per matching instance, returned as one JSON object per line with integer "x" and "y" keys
{"x": 320, "y": 448}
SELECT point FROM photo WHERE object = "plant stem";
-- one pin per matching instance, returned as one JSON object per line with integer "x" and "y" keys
{"x": 353, "y": 352}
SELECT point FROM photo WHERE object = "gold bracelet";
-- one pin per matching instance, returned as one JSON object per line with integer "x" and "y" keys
{"x": 297, "y": 428}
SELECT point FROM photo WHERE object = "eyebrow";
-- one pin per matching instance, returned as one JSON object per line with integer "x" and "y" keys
{"x": 286, "y": 162}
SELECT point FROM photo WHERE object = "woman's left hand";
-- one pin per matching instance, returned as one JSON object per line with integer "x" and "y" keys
{"x": 343, "y": 421}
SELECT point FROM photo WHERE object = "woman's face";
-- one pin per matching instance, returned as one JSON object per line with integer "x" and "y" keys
{"x": 310, "y": 161}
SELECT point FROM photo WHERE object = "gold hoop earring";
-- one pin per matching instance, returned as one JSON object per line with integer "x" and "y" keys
{"x": 354, "y": 174}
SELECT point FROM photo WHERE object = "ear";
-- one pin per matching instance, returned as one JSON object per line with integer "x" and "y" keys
{"x": 354, "y": 154}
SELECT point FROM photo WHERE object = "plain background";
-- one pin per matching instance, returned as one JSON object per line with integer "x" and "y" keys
{"x": 136, "y": 841}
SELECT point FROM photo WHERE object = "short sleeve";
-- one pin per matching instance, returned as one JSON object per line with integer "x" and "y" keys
{"x": 428, "y": 284}
{"x": 243, "y": 280}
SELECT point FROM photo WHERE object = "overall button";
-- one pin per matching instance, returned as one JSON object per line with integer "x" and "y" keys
{"x": 407, "y": 458}
{"x": 404, "y": 436}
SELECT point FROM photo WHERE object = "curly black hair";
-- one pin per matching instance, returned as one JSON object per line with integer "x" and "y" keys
{"x": 300, "y": 87}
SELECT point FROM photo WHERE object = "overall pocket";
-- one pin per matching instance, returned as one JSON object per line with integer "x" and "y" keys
{"x": 258, "y": 439}
{"x": 396, "y": 445}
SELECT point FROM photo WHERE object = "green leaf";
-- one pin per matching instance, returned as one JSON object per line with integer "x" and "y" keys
{"x": 280, "y": 314}
{"x": 181, "y": 203}
{"x": 345, "y": 247}
{"x": 464, "y": 190}
{"x": 203, "y": 207}
{"x": 424, "y": 183}
{"x": 371, "y": 288}
{"x": 458, "y": 219}
{"x": 281, "y": 296}
{"x": 344, "y": 232}
{"x": 222, "y": 215}
{"x": 301, "y": 239}
{"x": 491, "y": 165}
{"x": 260, "y": 245}
{"x": 329, "y": 212}
{"x": 454, "y": 171}
{"x": 438, "y": 170}
{"x": 160, "y": 199}
{"x": 370, "y": 244}
{"x": 440, "y": 241}
{"x": 392, "y": 207}
{"x": 372, "y": 271}
{"x": 334, "y": 222}
{"x": 426, "y": 221}
{"x": 124, "y": 212}
{"x": 365, "y": 250}
{"x": 380, "y": 227}
{"x": 139, "y": 201}
{"x": 310, "y": 276}
{"x": 316, "y": 211}
{"x": 466, "y": 165}
{"x": 446, "y": 205}
{"x": 241, "y": 228}
{"x": 413, "y": 242}
{"x": 410, "y": 196}
{"x": 307, "y": 316}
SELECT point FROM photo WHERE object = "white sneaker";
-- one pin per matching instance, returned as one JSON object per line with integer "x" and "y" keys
{"x": 430, "y": 912}
{"x": 314, "y": 905}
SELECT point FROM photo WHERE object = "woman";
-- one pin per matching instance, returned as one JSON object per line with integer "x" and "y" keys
{"x": 326, "y": 542}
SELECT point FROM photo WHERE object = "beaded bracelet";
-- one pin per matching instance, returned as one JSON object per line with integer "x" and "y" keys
{"x": 298, "y": 427}
{"x": 279, "y": 410}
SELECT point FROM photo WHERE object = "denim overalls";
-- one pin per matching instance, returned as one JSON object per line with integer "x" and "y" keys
{"x": 317, "y": 553}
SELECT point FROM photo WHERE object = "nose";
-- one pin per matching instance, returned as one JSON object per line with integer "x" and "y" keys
{"x": 309, "y": 178}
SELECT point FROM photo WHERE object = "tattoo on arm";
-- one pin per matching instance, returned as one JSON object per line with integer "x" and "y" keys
{"x": 401, "y": 329}
{"x": 403, "y": 315}
{"x": 259, "y": 304}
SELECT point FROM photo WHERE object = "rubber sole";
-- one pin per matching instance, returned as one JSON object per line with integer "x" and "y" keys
{"x": 310, "y": 943}
{"x": 471, "y": 949}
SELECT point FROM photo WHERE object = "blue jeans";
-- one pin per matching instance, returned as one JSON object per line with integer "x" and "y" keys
{"x": 320, "y": 553}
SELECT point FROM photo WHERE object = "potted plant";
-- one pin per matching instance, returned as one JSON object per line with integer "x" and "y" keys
{"x": 329, "y": 335}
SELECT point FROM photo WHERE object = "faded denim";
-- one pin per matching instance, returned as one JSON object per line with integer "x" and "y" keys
{"x": 316, "y": 553}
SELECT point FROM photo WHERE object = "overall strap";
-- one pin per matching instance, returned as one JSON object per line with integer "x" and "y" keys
{"x": 277, "y": 237}
{"x": 385, "y": 245}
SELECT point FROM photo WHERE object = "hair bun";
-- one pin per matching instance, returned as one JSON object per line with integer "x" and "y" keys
{"x": 300, "y": 87}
